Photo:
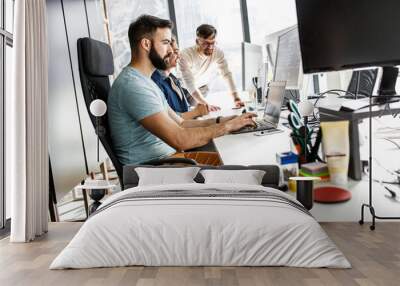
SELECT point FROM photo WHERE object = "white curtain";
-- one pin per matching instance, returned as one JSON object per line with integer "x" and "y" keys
{"x": 26, "y": 123}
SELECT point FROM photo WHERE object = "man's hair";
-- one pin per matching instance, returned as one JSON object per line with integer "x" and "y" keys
{"x": 145, "y": 26}
{"x": 205, "y": 30}
{"x": 173, "y": 38}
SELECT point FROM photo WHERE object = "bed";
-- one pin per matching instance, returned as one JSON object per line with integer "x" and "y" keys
{"x": 201, "y": 224}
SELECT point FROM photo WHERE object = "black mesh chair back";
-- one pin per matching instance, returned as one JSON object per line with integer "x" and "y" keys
{"x": 96, "y": 64}
{"x": 366, "y": 81}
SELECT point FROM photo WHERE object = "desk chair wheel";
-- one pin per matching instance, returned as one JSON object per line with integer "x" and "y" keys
{"x": 372, "y": 227}
{"x": 361, "y": 222}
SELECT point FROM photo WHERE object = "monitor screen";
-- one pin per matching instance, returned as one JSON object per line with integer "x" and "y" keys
{"x": 288, "y": 59}
{"x": 273, "y": 106}
{"x": 252, "y": 58}
{"x": 344, "y": 34}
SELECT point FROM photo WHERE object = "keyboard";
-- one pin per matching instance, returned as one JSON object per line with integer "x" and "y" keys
{"x": 261, "y": 125}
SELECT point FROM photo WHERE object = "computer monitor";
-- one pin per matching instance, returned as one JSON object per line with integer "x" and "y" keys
{"x": 343, "y": 34}
{"x": 287, "y": 65}
{"x": 252, "y": 64}
{"x": 271, "y": 43}
{"x": 275, "y": 99}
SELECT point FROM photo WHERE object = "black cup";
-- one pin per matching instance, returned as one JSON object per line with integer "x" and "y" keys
{"x": 305, "y": 193}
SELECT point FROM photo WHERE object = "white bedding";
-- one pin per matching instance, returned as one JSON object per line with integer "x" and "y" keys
{"x": 185, "y": 231}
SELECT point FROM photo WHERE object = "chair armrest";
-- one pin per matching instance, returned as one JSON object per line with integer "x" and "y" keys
{"x": 171, "y": 161}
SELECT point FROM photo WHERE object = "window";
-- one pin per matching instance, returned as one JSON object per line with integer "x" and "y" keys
{"x": 9, "y": 11}
{"x": 121, "y": 14}
{"x": 6, "y": 43}
{"x": 225, "y": 16}
{"x": 269, "y": 16}
{"x": 8, "y": 62}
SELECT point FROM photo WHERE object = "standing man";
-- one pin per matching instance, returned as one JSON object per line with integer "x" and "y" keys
{"x": 200, "y": 61}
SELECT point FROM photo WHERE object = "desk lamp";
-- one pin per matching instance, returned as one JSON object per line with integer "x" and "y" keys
{"x": 98, "y": 108}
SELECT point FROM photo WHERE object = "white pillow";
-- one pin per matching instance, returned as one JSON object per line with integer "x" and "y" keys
{"x": 166, "y": 176}
{"x": 247, "y": 177}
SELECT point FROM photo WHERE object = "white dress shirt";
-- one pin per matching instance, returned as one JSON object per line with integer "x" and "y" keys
{"x": 196, "y": 69}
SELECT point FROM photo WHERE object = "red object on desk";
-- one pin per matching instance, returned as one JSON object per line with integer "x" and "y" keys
{"x": 331, "y": 195}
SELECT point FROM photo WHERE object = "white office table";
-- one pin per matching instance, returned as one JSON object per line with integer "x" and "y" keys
{"x": 248, "y": 149}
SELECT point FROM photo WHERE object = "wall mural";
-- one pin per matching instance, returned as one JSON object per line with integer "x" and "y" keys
{"x": 121, "y": 13}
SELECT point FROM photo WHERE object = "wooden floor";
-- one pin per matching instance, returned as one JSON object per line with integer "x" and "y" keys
{"x": 374, "y": 255}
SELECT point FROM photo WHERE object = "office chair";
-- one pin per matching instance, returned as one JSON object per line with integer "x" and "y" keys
{"x": 366, "y": 81}
{"x": 95, "y": 66}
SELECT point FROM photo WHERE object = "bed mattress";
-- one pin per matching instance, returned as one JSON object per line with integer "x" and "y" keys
{"x": 201, "y": 225}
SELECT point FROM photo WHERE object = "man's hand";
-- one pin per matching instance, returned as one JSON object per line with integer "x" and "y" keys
{"x": 236, "y": 99}
{"x": 210, "y": 107}
{"x": 239, "y": 103}
{"x": 213, "y": 107}
{"x": 201, "y": 109}
{"x": 240, "y": 122}
{"x": 227, "y": 118}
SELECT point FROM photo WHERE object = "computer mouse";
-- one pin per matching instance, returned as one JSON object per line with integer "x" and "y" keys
{"x": 260, "y": 133}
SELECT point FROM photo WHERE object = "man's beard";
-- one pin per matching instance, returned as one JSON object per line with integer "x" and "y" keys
{"x": 208, "y": 52}
{"x": 157, "y": 61}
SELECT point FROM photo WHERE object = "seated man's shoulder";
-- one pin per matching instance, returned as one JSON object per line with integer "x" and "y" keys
{"x": 131, "y": 83}
{"x": 127, "y": 76}
{"x": 136, "y": 95}
{"x": 157, "y": 76}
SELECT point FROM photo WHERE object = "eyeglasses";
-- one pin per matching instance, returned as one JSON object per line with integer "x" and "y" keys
{"x": 207, "y": 44}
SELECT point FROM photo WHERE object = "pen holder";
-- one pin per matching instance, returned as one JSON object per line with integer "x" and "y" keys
{"x": 307, "y": 151}
{"x": 301, "y": 148}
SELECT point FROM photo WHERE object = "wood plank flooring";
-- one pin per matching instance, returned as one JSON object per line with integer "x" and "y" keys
{"x": 375, "y": 257}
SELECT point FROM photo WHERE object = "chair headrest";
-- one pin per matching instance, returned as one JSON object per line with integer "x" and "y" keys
{"x": 97, "y": 57}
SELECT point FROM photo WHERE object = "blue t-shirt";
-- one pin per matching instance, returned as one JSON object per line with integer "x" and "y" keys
{"x": 134, "y": 96}
{"x": 177, "y": 103}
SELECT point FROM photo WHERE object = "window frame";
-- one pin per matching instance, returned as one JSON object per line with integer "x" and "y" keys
{"x": 243, "y": 12}
{"x": 6, "y": 39}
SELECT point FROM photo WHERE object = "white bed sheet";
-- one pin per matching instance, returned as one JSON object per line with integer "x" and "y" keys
{"x": 207, "y": 231}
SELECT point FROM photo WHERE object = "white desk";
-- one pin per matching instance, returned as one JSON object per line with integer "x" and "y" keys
{"x": 248, "y": 149}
